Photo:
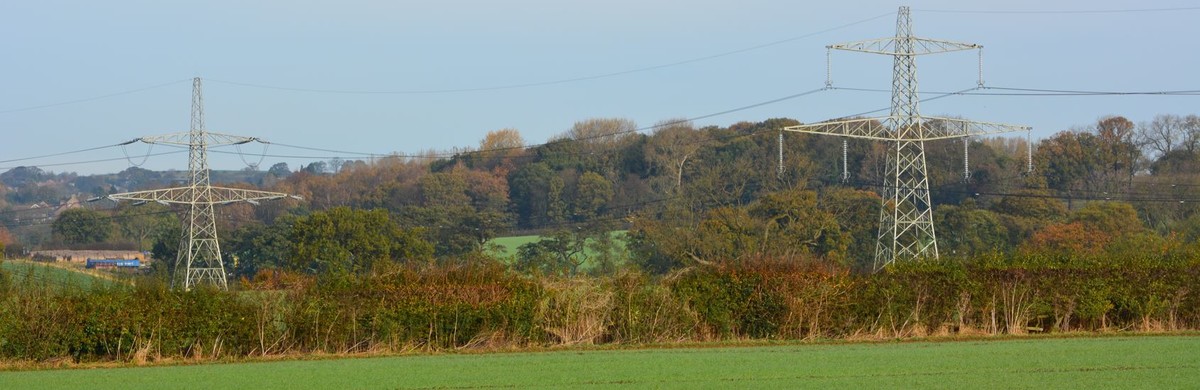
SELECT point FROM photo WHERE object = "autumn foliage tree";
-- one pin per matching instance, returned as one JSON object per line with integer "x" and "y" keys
{"x": 1081, "y": 164}
{"x": 499, "y": 149}
{"x": 1089, "y": 230}
{"x": 6, "y": 239}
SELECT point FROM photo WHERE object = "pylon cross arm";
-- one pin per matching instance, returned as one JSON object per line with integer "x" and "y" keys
{"x": 936, "y": 128}
{"x": 891, "y": 46}
{"x": 187, "y": 195}
{"x": 185, "y": 139}
{"x": 222, "y": 195}
{"x": 884, "y": 128}
{"x": 867, "y": 128}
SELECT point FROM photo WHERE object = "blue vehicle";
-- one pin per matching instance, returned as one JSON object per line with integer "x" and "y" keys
{"x": 113, "y": 263}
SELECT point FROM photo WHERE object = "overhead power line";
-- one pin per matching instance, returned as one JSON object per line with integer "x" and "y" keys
{"x": 1018, "y": 92}
{"x": 105, "y": 96}
{"x": 528, "y": 149}
{"x": 1081, "y": 11}
{"x": 1080, "y": 195}
{"x": 941, "y": 95}
{"x": 1038, "y": 92}
{"x": 548, "y": 82}
{"x": 114, "y": 217}
{"x": 63, "y": 153}
{"x": 95, "y": 161}
{"x": 346, "y": 154}
{"x": 1067, "y": 92}
{"x": 529, "y": 153}
{"x": 452, "y": 154}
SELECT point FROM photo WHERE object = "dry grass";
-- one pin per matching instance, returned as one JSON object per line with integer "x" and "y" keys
{"x": 575, "y": 311}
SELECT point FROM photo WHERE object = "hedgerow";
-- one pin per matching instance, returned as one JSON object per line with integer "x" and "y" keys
{"x": 399, "y": 308}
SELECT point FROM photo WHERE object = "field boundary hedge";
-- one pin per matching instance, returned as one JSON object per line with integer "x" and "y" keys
{"x": 487, "y": 306}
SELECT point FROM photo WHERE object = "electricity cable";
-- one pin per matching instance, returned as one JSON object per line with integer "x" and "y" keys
{"x": 1100, "y": 11}
{"x": 94, "y": 98}
{"x": 1038, "y": 92}
{"x": 66, "y": 153}
{"x": 95, "y": 161}
{"x": 525, "y": 147}
{"x": 549, "y": 82}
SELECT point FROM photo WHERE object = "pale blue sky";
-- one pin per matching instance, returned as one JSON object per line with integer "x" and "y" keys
{"x": 60, "y": 51}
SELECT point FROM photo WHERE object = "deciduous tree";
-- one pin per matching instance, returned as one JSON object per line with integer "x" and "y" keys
{"x": 673, "y": 143}
{"x": 498, "y": 149}
{"x": 82, "y": 226}
{"x": 529, "y": 187}
{"x": 140, "y": 224}
{"x": 347, "y": 241}
{"x": 969, "y": 231}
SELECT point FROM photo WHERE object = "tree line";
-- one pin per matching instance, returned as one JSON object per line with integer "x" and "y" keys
{"x": 681, "y": 233}
{"x": 685, "y": 195}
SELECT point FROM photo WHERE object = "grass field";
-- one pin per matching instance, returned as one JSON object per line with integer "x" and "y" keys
{"x": 61, "y": 276}
{"x": 1104, "y": 362}
{"x": 509, "y": 245}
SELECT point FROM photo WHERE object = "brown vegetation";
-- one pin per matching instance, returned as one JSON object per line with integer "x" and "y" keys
{"x": 397, "y": 309}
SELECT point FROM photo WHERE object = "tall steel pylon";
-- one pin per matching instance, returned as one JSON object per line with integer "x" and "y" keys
{"x": 906, "y": 219}
{"x": 199, "y": 258}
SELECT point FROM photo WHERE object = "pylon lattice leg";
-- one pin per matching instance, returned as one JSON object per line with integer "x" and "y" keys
{"x": 202, "y": 262}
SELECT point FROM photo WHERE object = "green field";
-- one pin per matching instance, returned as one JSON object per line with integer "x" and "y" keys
{"x": 1104, "y": 362}
{"x": 38, "y": 273}
{"x": 508, "y": 245}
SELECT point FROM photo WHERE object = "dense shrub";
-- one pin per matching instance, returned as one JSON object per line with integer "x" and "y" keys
{"x": 483, "y": 304}
{"x": 645, "y": 311}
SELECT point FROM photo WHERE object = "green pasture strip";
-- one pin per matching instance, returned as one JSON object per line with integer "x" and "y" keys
{"x": 23, "y": 271}
{"x": 509, "y": 245}
{"x": 1104, "y": 362}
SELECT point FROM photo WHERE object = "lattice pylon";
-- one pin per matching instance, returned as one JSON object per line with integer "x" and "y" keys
{"x": 906, "y": 228}
{"x": 199, "y": 258}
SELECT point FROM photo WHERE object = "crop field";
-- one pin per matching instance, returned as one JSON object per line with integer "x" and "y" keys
{"x": 59, "y": 276}
{"x": 1099, "y": 362}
